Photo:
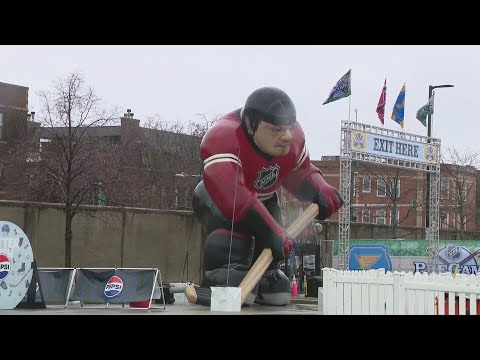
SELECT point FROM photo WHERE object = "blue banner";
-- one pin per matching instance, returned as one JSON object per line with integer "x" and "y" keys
{"x": 369, "y": 256}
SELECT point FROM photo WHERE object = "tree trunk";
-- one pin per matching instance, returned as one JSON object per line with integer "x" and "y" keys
{"x": 68, "y": 236}
{"x": 394, "y": 221}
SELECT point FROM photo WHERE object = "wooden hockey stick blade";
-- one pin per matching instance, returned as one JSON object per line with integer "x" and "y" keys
{"x": 265, "y": 259}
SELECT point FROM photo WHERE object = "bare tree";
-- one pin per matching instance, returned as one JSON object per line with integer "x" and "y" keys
{"x": 170, "y": 163}
{"x": 397, "y": 186}
{"x": 458, "y": 189}
{"x": 68, "y": 162}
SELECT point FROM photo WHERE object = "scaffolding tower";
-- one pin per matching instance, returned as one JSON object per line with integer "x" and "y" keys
{"x": 349, "y": 153}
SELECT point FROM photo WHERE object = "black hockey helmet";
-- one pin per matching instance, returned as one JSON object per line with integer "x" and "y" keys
{"x": 272, "y": 105}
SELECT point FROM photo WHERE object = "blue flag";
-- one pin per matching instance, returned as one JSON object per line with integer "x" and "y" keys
{"x": 399, "y": 108}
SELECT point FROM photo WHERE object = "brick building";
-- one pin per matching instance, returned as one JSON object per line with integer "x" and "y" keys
{"x": 155, "y": 164}
{"x": 378, "y": 191}
{"x": 160, "y": 168}
{"x": 13, "y": 125}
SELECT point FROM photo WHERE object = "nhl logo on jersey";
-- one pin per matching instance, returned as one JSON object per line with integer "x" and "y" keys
{"x": 267, "y": 177}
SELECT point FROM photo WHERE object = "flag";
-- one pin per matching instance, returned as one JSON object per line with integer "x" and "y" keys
{"x": 341, "y": 89}
{"x": 425, "y": 110}
{"x": 381, "y": 103}
{"x": 399, "y": 108}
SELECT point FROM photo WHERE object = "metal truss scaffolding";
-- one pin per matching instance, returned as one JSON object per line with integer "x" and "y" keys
{"x": 347, "y": 155}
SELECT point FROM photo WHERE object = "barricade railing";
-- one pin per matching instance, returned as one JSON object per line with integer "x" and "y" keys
{"x": 376, "y": 292}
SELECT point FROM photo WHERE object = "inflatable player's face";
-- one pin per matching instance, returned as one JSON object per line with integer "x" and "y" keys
{"x": 273, "y": 140}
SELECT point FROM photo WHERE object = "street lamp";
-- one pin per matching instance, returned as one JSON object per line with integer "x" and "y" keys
{"x": 430, "y": 92}
{"x": 429, "y": 134}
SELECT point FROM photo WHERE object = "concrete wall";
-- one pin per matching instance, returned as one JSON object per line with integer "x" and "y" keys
{"x": 115, "y": 237}
{"x": 112, "y": 237}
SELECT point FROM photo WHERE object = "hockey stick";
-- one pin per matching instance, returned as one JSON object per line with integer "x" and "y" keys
{"x": 202, "y": 297}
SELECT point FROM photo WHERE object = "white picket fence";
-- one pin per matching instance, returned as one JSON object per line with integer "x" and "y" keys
{"x": 374, "y": 292}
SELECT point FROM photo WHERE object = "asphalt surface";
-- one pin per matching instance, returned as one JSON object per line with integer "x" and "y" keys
{"x": 298, "y": 306}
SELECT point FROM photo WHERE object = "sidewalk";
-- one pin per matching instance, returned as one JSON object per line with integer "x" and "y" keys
{"x": 299, "y": 305}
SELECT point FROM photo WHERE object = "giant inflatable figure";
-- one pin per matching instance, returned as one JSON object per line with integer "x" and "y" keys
{"x": 247, "y": 155}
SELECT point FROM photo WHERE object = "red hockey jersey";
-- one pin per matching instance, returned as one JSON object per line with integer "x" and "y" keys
{"x": 237, "y": 173}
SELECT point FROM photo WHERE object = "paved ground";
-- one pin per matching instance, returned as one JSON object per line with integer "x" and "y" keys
{"x": 299, "y": 306}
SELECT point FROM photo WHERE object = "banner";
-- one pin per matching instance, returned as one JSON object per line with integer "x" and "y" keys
{"x": 113, "y": 286}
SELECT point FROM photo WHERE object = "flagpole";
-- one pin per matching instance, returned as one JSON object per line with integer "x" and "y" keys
{"x": 349, "y": 107}
{"x": 350, "y": 96}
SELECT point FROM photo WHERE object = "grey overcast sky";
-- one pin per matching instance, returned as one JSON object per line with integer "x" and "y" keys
{"x": 179, "y": 81}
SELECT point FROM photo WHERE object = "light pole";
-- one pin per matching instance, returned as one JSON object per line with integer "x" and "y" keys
{"x": 429, "y": 134}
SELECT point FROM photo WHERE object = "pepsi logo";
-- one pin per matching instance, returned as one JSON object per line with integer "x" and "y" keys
{"x": 4, "y": 266}
{"x": 113, "y": 287}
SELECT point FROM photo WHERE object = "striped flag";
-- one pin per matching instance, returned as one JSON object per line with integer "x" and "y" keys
{"x": 381, "y": 103}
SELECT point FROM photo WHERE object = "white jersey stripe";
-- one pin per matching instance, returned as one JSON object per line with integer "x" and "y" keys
{"x": 302, "y": 157}
{"x": 221, "y": 158}
{"x": 263, "y": 197}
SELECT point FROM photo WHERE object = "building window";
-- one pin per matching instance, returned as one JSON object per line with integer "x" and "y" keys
{"x": 2, "y": 126}
{"x": 464, "y": 193}
{"x": 395, "y": 187}
{"x": 366, "y": 216}
{"x": 444, "y": 184}
{"x": 381, "y": 187}
{"x": 443, "y": 219}
{"x": 393, "y": 221}
{"x": 380, "y": 217}
{"x": 147, "y": 157}
{"x": 367, "y": 184}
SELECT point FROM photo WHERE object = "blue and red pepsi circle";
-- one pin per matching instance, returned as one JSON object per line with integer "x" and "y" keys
{"x": 4, "y": 266}
{"x": 113, "y": 287}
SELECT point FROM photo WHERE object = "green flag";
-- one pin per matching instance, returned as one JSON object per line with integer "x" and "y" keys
{"x": 425, "y": 110}
{"x": 341, "y": 89}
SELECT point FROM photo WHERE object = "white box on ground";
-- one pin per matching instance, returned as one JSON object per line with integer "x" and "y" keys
{"x": 180, "y": 298}
{"x": 226, "y": 299}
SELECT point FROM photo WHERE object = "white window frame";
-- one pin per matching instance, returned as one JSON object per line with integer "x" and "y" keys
{"x": 379, "y": 216}
{"x": 366, "y": 186}
{"x": 444, "y": 224}
{"x": 385, "y": 187}
{"x": 464, "y": 192}
{"x": 390, "y": 220}
{"x": 366, "y": 213}
{"x": 392, "y": 186}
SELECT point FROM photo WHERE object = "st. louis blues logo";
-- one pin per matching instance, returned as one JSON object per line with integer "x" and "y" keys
{"x": 4, "y": 266}
{"x": 359, "y": 142}
{"x": 113, "y": 287}
{"x": 369, "y": 256}
{"x": 429, "y": 154}
{"x": 267, "y": 177}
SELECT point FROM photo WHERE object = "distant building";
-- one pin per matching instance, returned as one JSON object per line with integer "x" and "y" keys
{"x": 156, "y": 164}
{"x": 13, "y": 125}
{"x": 374, "y": 187}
